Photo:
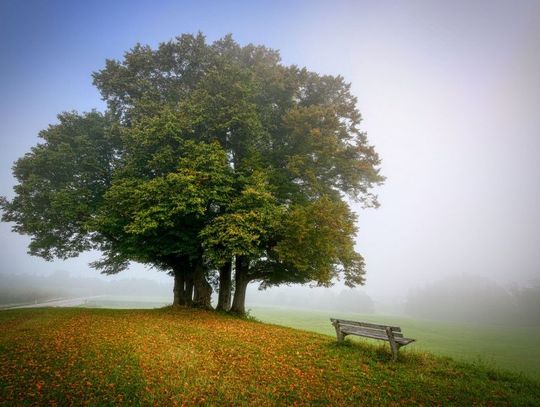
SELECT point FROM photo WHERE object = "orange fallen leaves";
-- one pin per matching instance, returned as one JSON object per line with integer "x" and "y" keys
{"x": 185, "y": 357}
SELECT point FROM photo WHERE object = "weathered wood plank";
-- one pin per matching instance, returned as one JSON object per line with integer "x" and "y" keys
{"x": 382, "y": 336}
{"x": 366, "y": 324}
{"x": 362, "y": 331}
{"x": 367, "y": 329}
{"x": 366, "y": 334}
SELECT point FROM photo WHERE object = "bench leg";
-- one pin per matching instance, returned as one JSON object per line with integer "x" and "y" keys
{"x": 394, "y": 346}
{"x": 395, "y": 349}
{"x": 339, "y": 334}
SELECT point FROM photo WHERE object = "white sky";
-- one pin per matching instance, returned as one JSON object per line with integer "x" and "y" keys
{"x": 449, "y": 92}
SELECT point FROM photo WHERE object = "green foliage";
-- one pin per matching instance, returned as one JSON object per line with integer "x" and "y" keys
{"x": 247, "y": 226}
{"x": 61, "y": 184}
{"x": 146, "y": 76}
{"x": 324, "y": 154}
{"x": 316, "y": 239}
{"x": 158, "y": 219}
{"x": 207, "y": 152}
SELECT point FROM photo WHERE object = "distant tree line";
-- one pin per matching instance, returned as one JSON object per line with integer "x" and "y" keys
{"x": 213, "y": 162}
{"x": 474, "y": 299}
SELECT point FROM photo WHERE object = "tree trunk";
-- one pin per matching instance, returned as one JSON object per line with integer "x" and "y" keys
{"x": 188, "y": 292}
{"x": 203, "y": 290}
{"x": 225, "y": 285}
{"x": 179, "y": 290}
{"x": 241, "y": 282}
{"x": 181, "y": 271}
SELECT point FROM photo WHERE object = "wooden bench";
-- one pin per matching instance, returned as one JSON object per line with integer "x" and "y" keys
{"x": 390, "y": 334}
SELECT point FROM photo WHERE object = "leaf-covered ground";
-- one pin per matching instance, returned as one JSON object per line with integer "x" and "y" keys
{"x": 513, "y": 348}
{"x": 186, "y": 357}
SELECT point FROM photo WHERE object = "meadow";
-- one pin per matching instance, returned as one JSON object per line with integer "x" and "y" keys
{"x": 82, "y": 356}
{"x": 509, "y": 348}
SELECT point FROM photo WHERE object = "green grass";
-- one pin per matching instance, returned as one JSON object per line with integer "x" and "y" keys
{"x": 502, "y": 347}
{"x": 169, "y": 356}
{"x": 510, "y": 348}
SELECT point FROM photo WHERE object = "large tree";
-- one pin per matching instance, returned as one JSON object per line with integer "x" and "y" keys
{"x": 213, "y": 162}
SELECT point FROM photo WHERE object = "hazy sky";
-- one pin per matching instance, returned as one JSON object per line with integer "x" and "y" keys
{"x": 449, "y": 93}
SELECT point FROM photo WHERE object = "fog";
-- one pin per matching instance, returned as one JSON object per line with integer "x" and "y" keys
{"x": 464, "y": 298}
{"x": 449, "y": 93}
{"x": 21, "y": 289}
{"x": 475, "y": 299}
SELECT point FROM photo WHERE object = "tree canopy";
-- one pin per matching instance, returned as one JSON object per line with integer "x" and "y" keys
{"x": 212, "y": 161}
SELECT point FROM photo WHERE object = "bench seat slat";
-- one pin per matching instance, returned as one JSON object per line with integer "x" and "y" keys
{"x": 373, "y": 335}
{"x": 365, "y": 324}
{"x": 365, "y": 333}
{"x": 369, "y": 330}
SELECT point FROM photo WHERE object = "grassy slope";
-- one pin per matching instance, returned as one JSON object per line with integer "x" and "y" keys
{"x": 167, "y": 357}
{"x": 513, "y": 348}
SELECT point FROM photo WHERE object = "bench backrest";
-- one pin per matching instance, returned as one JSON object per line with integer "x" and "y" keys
{"x": 367, "y": 327}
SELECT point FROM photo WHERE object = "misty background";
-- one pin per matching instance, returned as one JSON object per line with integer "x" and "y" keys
{"x": 449, "y": 93}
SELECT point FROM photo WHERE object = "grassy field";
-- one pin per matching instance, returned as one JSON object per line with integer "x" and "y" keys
{"x": 78, "y": 356}
{"x": 513, "y": 348}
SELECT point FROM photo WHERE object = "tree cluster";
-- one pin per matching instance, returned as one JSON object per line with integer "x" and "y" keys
{"x": 213, "y": 162}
